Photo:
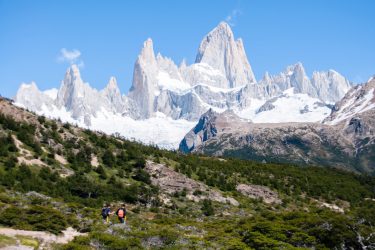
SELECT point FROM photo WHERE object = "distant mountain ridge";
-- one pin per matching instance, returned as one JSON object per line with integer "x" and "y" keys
{"x": 345, "y": 139}
{"x": 221, "y": 78}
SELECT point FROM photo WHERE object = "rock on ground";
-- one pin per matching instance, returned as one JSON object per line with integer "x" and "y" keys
{"x": 256, "y": 191}
{"x": 170, "y": 182}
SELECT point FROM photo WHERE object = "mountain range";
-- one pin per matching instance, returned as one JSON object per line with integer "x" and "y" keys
{"x": 165, "y": 101}
{"x": 345, "y": 139}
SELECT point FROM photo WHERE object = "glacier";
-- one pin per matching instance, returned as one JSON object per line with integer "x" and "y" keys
{"x": 165, "y": 100}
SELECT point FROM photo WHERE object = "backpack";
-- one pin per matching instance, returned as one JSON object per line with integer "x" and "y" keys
{"x": 105, "y": 212}
{"x": 121, "y": 213}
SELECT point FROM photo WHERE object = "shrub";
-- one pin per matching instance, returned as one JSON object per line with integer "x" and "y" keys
{"x": 114, "y": 242}
{"x": 34, "y": 218}
{"x": 207, "y": 208}
{"x": 143, "y": 176}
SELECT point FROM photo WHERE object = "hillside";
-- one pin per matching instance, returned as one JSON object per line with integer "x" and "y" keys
{"x": 345, "y": 139}
{"x": 55, "y": 175}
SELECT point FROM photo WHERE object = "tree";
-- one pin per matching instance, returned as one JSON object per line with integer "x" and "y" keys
{"x": 102, "y": 174}
{"x": 207, "y": 208}
{"x": 11, "y": 163}
{"x": 142, "y": 176}
{"x": 108, "y": 158}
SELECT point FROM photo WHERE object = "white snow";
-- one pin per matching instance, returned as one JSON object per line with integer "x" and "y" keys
{"x": 206, "y": 69}
{"x": 56, "y": 113}
{"x": 289, "y": 92}
{"x": 159, "y": 130}
{"x": 79, "y": 94}
{"x": 354, "y": 106}
{"x": 52, "y": 93}
{"x": 166, "y": 82}
{"x": 250, "y": 112}
{"x": 219, "y": 90}
{"x": 288, "y": 108}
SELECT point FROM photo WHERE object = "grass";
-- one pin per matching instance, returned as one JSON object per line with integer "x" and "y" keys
{"x": 28, "y": 241}
{"x": 6, "y": 241}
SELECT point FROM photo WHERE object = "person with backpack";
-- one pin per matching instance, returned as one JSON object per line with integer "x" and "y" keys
{"x": 106, "y": 212}
{"x": 121, "y": 214}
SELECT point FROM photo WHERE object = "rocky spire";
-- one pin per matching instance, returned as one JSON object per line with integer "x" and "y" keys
{"x": 330, "y": 85}
{"x": 31, "y": 97}
{"x": 112, "y": 93}
{"x": 72, "y": 87}
{"x": 219, "y": 50}
{"x": 144, "y": 80}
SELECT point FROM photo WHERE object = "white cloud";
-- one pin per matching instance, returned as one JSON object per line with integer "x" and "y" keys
{"x": 231, "y": 19}
{"x": 70, "y": 56}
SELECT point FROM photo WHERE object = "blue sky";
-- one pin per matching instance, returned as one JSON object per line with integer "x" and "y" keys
{"x": 108, "y": 35}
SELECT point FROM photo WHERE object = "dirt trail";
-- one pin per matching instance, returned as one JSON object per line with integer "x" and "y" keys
{"x": 45, "y": 238}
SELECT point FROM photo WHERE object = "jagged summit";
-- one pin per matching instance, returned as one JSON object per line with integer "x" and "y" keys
{"x": 147, "y": 52}
{"x": 221, "y": 32}
{"x": 296, "y": 68}
{"x": 219, "y": 50}
{"x": 73, "y": 70}
{"x": 359, "y": 101}
{"x": 28, "y": 86}
{"x": 112, "y": 84}
{"x": 220, "y": 79}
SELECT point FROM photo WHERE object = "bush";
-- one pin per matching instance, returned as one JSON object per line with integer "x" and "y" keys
{"x": 114, "y": 242}
{"x": 143, "y": 176}
{"x": 36, "y": 218}
{"x": 102, "y": 174}
{"x": 207, "y": 208}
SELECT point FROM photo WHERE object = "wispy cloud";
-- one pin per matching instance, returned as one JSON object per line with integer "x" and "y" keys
{"x": 231, "y": 19}
{"x": 70, "y": 56}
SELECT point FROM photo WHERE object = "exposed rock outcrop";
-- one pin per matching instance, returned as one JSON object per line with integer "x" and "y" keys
{"x": 221, "y": 78}
{"x": 219, "y": 50}
{"x": 170, "y": 182}
{"x": 259, "y": 192}
{"x": 348, "y": 142}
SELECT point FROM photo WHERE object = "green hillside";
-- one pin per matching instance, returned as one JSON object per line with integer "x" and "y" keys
{"x": 55, "y": 175}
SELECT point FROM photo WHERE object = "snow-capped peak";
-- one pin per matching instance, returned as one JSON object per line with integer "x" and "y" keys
{"x": 29, "y": 96}
{"x": 147, "y": 52}
{"x": 266, "y": 77}
{"x": 28, "y": 86}
{"x": 359, "y": 99}
{"x": 296, "y": 69}
{"x": 73, "y": 71}
{"x": 112, "y": 84}
{"x": 219, "y": 50}
{"x": 221, "y": 78}
{"x": 223, "y": 29}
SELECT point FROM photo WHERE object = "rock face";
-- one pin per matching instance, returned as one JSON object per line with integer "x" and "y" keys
{"x": 219, "y": 50}
{"x": 31, "y": 97}
{"x": 171, "y": 182}
{"x": 79, "y": 98}
{"x": 144, "y": 80}
{"x": 360, "y": 99}
{"x": 220, "y": 79}
{"x": 208, "y": 126}
{"x": 259, "y": 192}
{"x": 348, "y": 142}
{"x": 330, "y": 86}
{"x": 113, "y": 95}
{"x": 327, "y": 86}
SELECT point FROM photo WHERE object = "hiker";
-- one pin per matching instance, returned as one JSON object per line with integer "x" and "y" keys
{"x": 106, "y": 212}
{"x": 121, "y": 214}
